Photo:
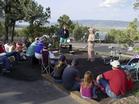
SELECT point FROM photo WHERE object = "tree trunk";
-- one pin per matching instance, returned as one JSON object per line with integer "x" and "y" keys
{"x": 13, "y": 31}
{"x": 6, "y": 39}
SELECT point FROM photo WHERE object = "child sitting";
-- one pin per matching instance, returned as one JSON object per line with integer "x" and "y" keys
{"x": 87, "y": 88}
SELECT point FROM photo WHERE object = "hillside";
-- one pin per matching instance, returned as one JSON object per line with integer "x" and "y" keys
{"x": 103, "y": 23}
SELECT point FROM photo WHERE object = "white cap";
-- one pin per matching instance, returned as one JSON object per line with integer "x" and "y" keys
{"x": 115, "y": 63}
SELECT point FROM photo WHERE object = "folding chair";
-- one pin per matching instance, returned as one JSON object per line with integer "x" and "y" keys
{"x": 45, "y": 62}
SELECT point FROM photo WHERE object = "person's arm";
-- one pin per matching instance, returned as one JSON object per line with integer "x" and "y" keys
{"x": 99, "y": 77}
{"x": 81, "y": 90}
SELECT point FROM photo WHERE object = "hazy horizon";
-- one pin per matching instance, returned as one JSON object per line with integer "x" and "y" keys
{"x": 119, "y": 10}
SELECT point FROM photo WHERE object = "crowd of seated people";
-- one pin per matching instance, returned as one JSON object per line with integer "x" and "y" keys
{"x": 114, "y": 83}
{"x": 8, "y": 56}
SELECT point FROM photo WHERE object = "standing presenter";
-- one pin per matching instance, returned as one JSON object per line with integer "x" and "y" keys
{"x": 91, "y": 43}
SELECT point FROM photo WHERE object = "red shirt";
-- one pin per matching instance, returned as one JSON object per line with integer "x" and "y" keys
{"x": 118, "y": 81}
{"x": 2, "y": 49}
{"x": 130, "y": 84}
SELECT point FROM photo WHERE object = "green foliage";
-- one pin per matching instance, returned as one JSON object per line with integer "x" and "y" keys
{"x": 37, "y": 15}
{"x": 1, "y": 29}
{"x": 136, "y": 4}
{"x": 64, "y": 20}
{"x": 28, "y": 10}
{"x": 116, "y": 36}
{"x": 79, "y": 31}
{"x": 127, "y": 36}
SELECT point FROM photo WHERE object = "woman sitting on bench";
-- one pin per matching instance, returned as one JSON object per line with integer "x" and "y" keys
{"x": 59, "y": 68}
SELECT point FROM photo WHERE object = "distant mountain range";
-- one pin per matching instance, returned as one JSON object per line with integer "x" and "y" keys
{"x": 94, "y": 23}
{"x": 103, "y": 23}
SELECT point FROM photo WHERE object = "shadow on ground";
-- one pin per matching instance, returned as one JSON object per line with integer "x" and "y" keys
{"x": 31, "y": 92}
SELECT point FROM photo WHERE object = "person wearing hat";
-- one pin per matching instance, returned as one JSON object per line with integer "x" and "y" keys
{"x": 91, "y": 39}
{"x": 114, "y": 81}
{"x": 59, "y": 68}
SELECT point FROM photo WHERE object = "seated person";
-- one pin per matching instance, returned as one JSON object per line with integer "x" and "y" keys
{"x": 2, "y": 49}
{"x": 59, "y": 68}
{"x": 48, "y": 57}
{"x": 31, "y": 49}
{"x": 20, "y": 49}
{"x": 45, "y": 55}
{"x": 71, "y": 76}
{"x": 38, "y": 49}
{"x": 88, "y": 88}
{"x": 6, "y": 46}
{"x": 6, "y": 64}
{"x": 114, "y": 81}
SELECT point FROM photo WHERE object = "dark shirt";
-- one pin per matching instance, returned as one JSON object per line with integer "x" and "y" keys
{"x": 64, "y": 33}
{"x": 68, "y": 77}
{"x": 58, "y": 71}
{"x": 45, "y": 56}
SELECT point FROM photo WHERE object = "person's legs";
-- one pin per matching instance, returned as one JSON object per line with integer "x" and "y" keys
{"x": 89, "y": 54}
{"x": 61, "y": 41}
{"x": 104, "y": 83}
{"x": 65, "y": 40}
{"x": 94, "y": 92}
{"x": 6, "y": 62}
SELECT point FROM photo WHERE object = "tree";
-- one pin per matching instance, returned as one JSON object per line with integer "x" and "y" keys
{"x": 64, "y": 20}
{"x": 136, "y": 4}
{"x": 127, "y": 36}
{"x": 13, "y": 11}
{"x": 79, "y": 32}
{"x": 131, "y": 32}
{"x": 37, "y": 17}
{"x": 18, "y": 12}
{"x": 1, "y": 29}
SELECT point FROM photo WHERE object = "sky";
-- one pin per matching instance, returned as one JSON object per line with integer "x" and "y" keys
{"x": 91, "y": 9}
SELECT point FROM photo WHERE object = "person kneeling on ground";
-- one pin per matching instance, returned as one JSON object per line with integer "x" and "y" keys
{"x": 71, "y": 76}
{"x": 114, "y": 81}
{"x": 59, "y": 68}
{"x": 88, "y": 88}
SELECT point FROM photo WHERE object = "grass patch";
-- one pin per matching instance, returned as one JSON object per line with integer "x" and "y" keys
{"x": 136, "y": 49}
{"x": 135, "y": 91}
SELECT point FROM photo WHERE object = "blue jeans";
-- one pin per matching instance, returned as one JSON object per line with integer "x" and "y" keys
{"x": 5, "y": 62}
{"x": 94, "y": 92}
{"x": 15, "y": 54}
{"x": 104, "y": 83}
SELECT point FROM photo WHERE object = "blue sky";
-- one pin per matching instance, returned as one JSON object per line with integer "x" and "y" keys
{"x": 91, "y": 9}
